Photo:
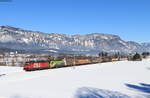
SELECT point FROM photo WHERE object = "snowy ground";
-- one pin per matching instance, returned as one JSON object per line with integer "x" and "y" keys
{"x": 123, "y": 79}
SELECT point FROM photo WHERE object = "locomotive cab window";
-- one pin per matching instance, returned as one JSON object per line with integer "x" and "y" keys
{"x": 26, "y": 64}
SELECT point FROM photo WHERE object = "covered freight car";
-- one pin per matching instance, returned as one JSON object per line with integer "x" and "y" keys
{"x": 82, "y": 61}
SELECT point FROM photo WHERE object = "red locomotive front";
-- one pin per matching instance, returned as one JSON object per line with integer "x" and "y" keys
{"x": 36, "y": 65}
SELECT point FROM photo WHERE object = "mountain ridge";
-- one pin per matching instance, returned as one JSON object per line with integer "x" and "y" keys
{"x": 16, "y": 38}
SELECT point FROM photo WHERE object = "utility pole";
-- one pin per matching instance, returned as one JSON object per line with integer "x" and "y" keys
{"x": 74, "y": 63}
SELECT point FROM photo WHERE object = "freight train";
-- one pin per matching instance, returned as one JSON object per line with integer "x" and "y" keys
{"x": 71, "y": 61}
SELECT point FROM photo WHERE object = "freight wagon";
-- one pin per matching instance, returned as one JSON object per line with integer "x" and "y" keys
{"x": 107, "y": 59}
{"x": 115, "y": 59}
{"x": 82, "y": 61}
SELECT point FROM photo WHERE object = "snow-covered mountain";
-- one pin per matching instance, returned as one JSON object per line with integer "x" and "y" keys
{"x": 16, "y": 38}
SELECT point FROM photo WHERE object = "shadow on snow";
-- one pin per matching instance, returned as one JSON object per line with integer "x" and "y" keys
{"x": 142, "y": 87}
{"x": 88, "y": 92}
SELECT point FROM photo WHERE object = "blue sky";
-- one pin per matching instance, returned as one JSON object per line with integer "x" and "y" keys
{"x": 130, "y": 19}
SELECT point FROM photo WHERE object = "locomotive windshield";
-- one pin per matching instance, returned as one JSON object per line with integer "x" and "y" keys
{"x": 26, "y": 64}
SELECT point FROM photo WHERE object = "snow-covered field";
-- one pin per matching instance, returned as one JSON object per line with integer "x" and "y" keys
{"x": 123, "y": 79}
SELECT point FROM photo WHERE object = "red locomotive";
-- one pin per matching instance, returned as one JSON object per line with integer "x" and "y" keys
{"x": 32, "y": 65}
